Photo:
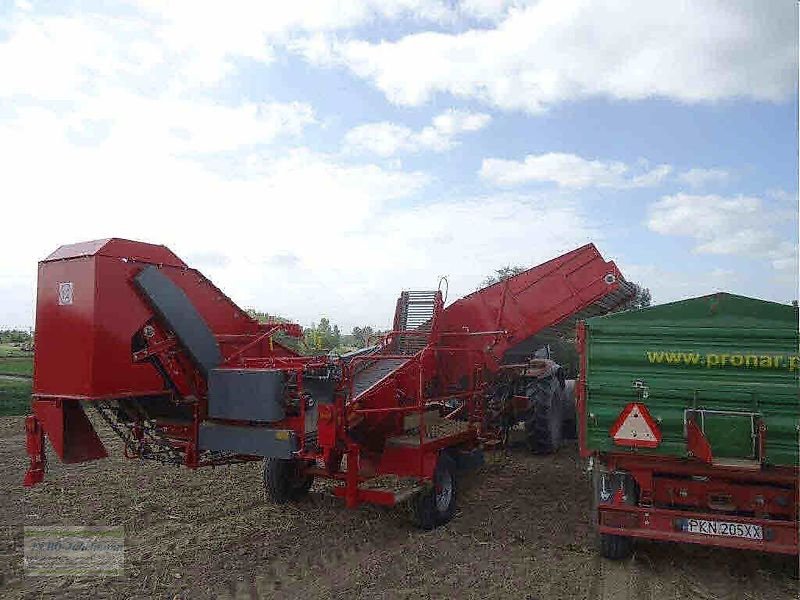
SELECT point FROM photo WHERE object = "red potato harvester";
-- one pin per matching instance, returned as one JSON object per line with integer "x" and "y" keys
{"x": 184, "y": 376}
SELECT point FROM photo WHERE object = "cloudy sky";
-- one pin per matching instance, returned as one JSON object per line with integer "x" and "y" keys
{"x": 316, "y": 157}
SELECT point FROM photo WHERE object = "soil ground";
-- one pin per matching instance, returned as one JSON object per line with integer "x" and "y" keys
{"x": 522, "y": 531}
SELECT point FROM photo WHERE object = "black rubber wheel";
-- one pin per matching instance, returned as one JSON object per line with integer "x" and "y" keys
{"x": 437, "y": 505}
{"x": 544, "y": 423}
{"x": 570, "y": 427}
{"x": 284, "y": 480}
{"x": 615, "y": 547}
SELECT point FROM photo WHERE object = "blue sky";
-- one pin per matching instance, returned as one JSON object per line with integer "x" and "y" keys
{"x": 315, "y": 158}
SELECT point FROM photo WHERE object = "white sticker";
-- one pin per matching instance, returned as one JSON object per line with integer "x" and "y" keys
{"x": 65, "y": 293}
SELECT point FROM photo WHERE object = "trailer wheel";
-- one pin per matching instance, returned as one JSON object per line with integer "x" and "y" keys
{"x": 284, "y": 480}
{"x": 437, "y": 505}
{"x": 544, "y": 424}
{"x": 615, "y": 547}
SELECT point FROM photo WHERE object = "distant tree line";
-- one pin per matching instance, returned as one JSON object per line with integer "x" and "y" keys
{"x": 15, "y": 336}
{"x": 322, "y": 337}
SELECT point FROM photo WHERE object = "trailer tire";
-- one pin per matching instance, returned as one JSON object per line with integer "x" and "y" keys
{"x": 436, "y": 506}
{"x": 544, "y": 425}
{"x": 615, "y": 547}
{"x": 612, "y": 547}
{"x": 284, "y": 480}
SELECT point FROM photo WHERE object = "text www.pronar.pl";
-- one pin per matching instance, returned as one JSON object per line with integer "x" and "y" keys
{"x": 751, "y": 361}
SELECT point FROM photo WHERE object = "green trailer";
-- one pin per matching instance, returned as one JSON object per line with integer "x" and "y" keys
{"x": 690, "y": 417}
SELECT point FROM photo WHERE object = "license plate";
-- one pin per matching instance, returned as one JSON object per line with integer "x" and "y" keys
{"x": 725, "y": 529}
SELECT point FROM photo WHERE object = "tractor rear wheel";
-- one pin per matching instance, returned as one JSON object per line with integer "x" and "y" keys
{"x": 544, "y": 423}
{"x": 436, "y": 506}
{"x": 570, "y": 412}
{"x": 285, "y": 480}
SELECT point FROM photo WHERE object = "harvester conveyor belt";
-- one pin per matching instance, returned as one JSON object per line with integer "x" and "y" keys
{"x": 374, "y": 373}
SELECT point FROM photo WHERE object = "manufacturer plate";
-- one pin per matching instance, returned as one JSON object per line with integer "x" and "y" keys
{"x": 725, "y": 529}
{"x": 65, "y": 293}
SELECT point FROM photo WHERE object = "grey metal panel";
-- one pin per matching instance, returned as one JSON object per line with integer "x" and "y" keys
{"x": 254, "y": 441}
{"x": 173, "y": 305}
{"x": 320, "y": 388}
{"x": 246, "y": 394}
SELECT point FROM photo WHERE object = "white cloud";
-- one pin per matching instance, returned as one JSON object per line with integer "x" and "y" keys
{"x": 400, "y": 247}
{"x": 703, "y": 177}
{"x": 490, "y": 10}
{"x": 176, "y": 46}
{"x": 212, "y": 36}
{"x": 681, "y": 282}
{"x": 571, "y": 171}
{"x": 558, "y": 50}
{"x": 109, "y": 125}
{"x": 739, "y": 226}
{"x": 293, "y": 233}
{"x": 386, "y": 139}
{"x": 103, "y": 75}
{"x": 383, "y": 139}
{"x": 672, "y": 284}
{"x": 299, "y": 203}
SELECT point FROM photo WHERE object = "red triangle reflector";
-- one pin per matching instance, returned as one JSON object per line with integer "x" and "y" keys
{"x": 635, "y": 427}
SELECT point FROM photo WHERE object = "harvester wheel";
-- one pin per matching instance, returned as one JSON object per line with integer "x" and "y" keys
{"x": 615, "y": 547}
{"x": 544, "y": 425}
{"x": 437, "y": 505}
{"x": 284, "y": 480}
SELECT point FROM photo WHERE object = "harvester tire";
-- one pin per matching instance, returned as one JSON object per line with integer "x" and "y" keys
{"x": 437, "y": 505}
{"x": 615, "y": 547}
{"x": 284, "y": 480}
{"x": 544, "y": 424}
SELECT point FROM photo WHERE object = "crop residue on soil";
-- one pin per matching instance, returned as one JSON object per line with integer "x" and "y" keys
{"x": 521, "y": 531}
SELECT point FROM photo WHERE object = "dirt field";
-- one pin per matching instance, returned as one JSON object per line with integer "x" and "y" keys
{"x": 521, "y": 532}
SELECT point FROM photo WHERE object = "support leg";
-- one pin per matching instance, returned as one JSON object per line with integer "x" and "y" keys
{"x": 351, "y": 494}
{"x": 34, "y": 440}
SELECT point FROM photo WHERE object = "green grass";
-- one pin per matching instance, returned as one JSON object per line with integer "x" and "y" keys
{"x": 15, "y": 397}
{"x": 22, "y": 366}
